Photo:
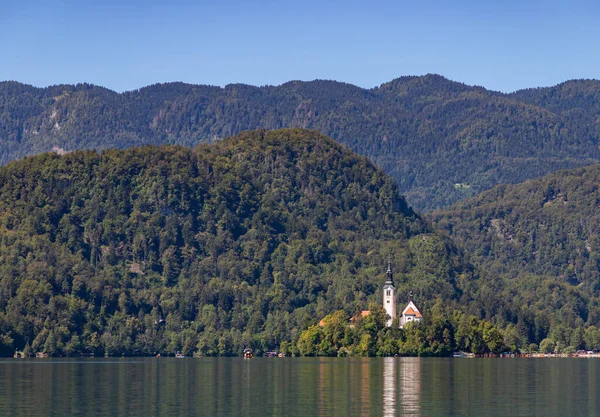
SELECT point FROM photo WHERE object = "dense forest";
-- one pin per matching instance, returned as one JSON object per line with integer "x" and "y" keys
{"x": 577, "y": 101}
{"x": 536, "y": 244}
{"x": 440, "y": 140}
{"x": 243, "y": 243}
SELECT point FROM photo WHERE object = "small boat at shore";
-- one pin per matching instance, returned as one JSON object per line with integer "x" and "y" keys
{"x": 463, "y": 355}
{"x": 248, "y": 354}
{"x": 179, "y": 355}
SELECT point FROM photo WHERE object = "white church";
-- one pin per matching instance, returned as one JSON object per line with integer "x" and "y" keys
{"x": 409, "y": 314}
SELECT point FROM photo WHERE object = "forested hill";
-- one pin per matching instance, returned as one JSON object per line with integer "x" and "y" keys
{"x": 571, "y": 98}
{"x": 577, "y": 102}
{"x": 242, "y": 243}
{"x": 536, "y": 243}
{"x": 440, "y": 140}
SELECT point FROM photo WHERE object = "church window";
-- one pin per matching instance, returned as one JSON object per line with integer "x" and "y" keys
{"x": 389, "y": 292}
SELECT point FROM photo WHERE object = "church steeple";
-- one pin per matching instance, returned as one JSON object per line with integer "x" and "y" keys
{"x": 389, "y": 275}
{"x": 389, "y": 295}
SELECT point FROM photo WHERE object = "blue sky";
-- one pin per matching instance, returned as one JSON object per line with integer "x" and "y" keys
{"x": 127, "y": 44}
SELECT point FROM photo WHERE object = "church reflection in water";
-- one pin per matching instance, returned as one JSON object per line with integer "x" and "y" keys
{"x": 366, "y": 386}
{"x": 389, "y": 386}
{"x": 401, "y": 393}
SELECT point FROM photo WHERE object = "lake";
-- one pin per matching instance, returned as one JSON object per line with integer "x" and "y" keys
{"x": 300, "y": 387}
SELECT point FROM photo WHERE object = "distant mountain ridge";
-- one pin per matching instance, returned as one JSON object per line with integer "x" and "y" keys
{"x": 441, "y": 141}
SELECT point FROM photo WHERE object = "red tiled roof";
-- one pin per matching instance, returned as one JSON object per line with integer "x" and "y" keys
{"x": 411, "y": 312}
{"x": 363, "y": 313}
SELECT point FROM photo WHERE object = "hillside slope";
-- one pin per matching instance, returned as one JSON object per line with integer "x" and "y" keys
{"x": 241, "y": 243}
{"x": 537, "y": 244}
{"x": 440, "y": 140}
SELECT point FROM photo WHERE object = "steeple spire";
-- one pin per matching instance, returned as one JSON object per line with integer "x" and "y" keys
{"x": 389, "y": 275}
{"x": 389, "y": 296}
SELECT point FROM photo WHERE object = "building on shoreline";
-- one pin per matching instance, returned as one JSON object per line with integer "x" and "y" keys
{"x": 410, "y": 313}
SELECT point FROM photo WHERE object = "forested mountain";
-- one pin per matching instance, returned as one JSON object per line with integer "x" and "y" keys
{"x": 576, "y": 101}
{"x": 537, "y": 244}
{"x": 575, "y": 98}
{"x": 241, "y": 243}
{"x": 440, "y": 140}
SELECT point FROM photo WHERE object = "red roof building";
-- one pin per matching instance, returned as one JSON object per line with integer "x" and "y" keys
{"x": 410, "y": 314}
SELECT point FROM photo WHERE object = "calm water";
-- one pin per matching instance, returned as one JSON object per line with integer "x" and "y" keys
{"x": 300, "y": 387}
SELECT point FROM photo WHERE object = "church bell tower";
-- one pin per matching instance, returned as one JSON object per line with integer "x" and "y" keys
{"x": 389, "y": 295}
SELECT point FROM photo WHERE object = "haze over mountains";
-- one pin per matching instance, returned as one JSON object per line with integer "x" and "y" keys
{"x": 440, "y": 140}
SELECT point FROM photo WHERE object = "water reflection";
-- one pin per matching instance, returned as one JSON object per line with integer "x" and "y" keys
{"x": 365, "y": 388}
{"x": 389, "y": 387}
{"x": 323, "y": 382}
{"x": 410, "y": 386}
{"x": 306, "y": 387}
